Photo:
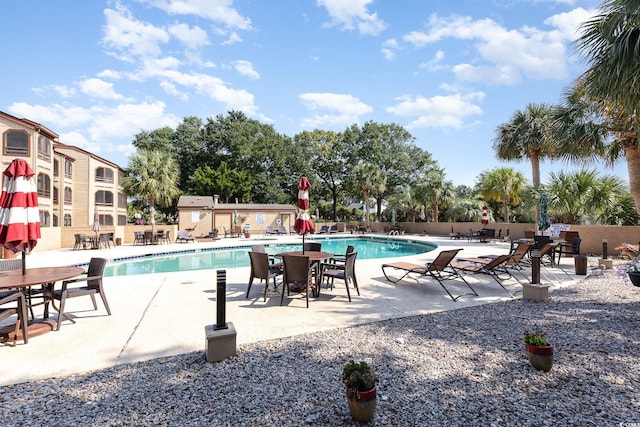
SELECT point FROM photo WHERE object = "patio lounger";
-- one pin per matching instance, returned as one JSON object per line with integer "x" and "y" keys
{"x": 183, "y": 236}
{"x": 493, "y": 267}
{"x": 440, "y": 269}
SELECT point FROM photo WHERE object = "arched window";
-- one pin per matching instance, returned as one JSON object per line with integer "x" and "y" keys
{"x": 56, "y": 167}
{"x": 44, "y": 219}
{"x": 68, "y": 196}
{"x": 68, "y": 169}
{"x": 106, "y": 220}
{"x": 104, "y": 198}
{"x": 44, "y": 148}
{"x": 55, "y": 195}
{"x": 55, "y": 220}
{"x": 16, "y": 143}
{"x": 67, "y": 220}
{"x": 44, "y": 185}
{"x": 104, "y": 175}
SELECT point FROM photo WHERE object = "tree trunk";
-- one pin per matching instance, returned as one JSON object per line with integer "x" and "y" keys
{"x": 633, "y": 166}
{"x": 535, "y": 177}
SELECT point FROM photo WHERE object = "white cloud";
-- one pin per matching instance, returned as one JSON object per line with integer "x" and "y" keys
{"x": 64, "y": 91}
{"x": 98, "y": 88}
{"x": 443, "y": 112}
{"x": 503, "y": 55}
{"x": 352, "y": 14}
{"x": 126, "y": 37}
{"x": 435, "y": 63}
{"x": 95, "y": 128}
{"x": 232, "y": 39}
{"x": 219, "y": 11}
{"x": 343, "y": 109}
{"x": 110, "y": 74}
{"x": 389, "y": 48}
{"x": 193, "y": 38}
{"x": 569, "y": 22}
{"x": 246, "y": 69}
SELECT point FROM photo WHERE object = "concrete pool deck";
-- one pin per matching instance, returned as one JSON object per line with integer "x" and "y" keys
{"x": 160, "y": 315}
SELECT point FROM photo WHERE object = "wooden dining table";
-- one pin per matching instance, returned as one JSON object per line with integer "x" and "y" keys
{"x": 315, "y": 257}
{"x": 46, "y": 276}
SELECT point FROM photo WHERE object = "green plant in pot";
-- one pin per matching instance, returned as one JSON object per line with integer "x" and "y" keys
{"x": 360, "y": 381}
{"x": 539, "y": 351}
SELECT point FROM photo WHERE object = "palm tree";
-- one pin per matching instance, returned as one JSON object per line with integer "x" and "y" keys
{"x": 152, "y": 175}
{"x": 435, "y": 191}
{"x": 580, "y": 196}
{"x": 369, "y": 179}
{"x": 600, "y": 113}
{"x": 610, "y": 42}
{"x": 527, "y": 135}
{"x": 503, "y": 185}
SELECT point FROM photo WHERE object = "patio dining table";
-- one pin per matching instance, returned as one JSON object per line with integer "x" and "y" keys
{"x": 46, "y": 276}
{"x": 315, "y": 257}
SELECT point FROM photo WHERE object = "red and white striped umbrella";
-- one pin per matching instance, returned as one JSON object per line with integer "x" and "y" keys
{"x": 485, "y": 215}
{"x": 19, "y": 216}
{"x": 303, "y": 224}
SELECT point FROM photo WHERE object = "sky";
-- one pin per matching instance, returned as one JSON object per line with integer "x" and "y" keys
{"x": 449, "y": 71}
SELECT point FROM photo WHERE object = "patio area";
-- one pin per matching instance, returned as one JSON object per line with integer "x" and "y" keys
{"x": 163, "y": 315}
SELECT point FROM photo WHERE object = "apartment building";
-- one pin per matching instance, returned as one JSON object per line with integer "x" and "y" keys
{"x": 72, "y": 183}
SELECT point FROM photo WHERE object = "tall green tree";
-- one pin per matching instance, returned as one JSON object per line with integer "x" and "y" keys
{"x": 435, "y": 191}
{"x": 582, "y": 196}
{"x": 329, "y": 159}
{"x": 527, "y": 135}
{"x": 368, "y": 178}
{"x": 600, "y": 114}
{"x": 610, "y": 44}
{"x": 503, "y": 185}
{"x": 227, "y": 183}
{"x": 152, "y": 175}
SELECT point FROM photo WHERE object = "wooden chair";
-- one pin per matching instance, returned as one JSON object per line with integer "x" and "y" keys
{"x": 19, "y": 310}
{"x": 297, "y": 277}
{"x": 92, "y": 287}
{"x": 346, "y": 273}
{"x": 262, "y": 269}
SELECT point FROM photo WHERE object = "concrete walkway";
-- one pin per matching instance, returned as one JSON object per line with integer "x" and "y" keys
{"x": 160, "y": 315}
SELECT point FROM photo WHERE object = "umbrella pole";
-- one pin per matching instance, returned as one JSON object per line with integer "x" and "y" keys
{"x": 24, "y": 264}
{"x": 303, "y": 244}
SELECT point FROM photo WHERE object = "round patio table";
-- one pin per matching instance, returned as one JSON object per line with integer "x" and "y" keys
{"x": 47, "y": 276}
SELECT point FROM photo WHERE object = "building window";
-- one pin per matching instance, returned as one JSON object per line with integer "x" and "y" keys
{"x": 44, "y": 148}
{"x": 104, "y": 198}
{"x": 56, "y": 168}
{"x": 68, "y": 169}
{"x": 55, "y": 220}
{"x": 122, "y": 200}
{"x": 122, "y": 220}
{"x": 16, "y": 143}
{"x": 44, "y": 185}
{"x": 68, "y": 196}
{"x": 44, "y": 219}
{"x": 55, "y": 195}
{"x": 67, "y": 220}
{"x": 106, "y": 220}
{"x": 104, "y": 175}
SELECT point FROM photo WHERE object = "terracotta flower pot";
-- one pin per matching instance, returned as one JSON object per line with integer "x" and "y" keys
{"x": 541, "y": 357}
{"x": 362, "y": 404}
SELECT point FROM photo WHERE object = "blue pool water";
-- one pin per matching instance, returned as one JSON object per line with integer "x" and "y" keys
{"x": 207, "y": 259}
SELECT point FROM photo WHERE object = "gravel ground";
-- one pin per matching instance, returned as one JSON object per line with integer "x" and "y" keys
{"x": 463, "y": 367}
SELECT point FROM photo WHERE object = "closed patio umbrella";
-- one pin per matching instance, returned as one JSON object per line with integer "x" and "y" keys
{"x": 485, "y": 215}
{"x": 19, "y": 216}
{"x": 96, "y": 221}
{"x": 543, "y": 221}
{"x": 303, "y": 224}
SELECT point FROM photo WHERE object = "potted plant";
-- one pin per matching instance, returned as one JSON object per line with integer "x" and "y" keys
{"x": 360, "y": 382}
{"x": 632, "y": 270}
{"x": 539, "y": 351}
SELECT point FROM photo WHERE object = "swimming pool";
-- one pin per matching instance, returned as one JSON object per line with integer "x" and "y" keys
{"x": 215, "y": 258}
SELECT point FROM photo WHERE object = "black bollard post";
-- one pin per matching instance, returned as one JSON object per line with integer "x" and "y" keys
{"x": 604, "y": 249}
{"x": 535, "y": 267}
{"x": 221, "y": 292}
